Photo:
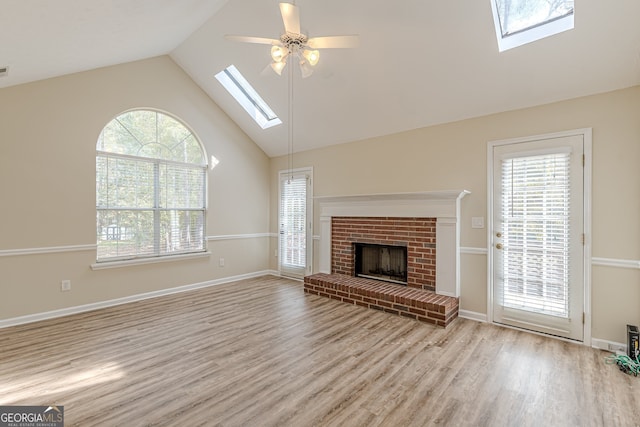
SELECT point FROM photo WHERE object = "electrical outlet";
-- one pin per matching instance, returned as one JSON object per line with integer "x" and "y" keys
{"x": 65, "y": 285}
{"x": 221, "y": 262}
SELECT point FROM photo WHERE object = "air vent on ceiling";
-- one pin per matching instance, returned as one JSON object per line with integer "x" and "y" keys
{"x": 4, "y": 71}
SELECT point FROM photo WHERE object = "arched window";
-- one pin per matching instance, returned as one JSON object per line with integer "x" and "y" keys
{"x": 151, "y": 176}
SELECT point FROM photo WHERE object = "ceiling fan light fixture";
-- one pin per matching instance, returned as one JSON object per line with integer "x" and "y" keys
{"x": 278, "y": 66}
{"x": 279, "y": 53}
{"x": 312, "y": 56}
{"x": 305, "y": 69}
{"x": 293, "y": 43}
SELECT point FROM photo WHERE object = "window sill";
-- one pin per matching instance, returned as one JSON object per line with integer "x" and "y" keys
{"x": 142, "y": 261}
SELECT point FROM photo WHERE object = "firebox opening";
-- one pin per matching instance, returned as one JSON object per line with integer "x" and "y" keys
{"x": 381, "y": 262}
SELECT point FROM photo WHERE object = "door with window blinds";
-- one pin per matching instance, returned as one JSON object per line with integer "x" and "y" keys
{"x": 294, "y": 233}
{"x": 537, "y": 236}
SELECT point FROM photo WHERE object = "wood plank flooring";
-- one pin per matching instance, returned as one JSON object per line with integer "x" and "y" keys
{"x": 262, "y": 353}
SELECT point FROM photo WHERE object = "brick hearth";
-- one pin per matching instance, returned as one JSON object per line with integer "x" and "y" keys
{"x": 417, "y": 304}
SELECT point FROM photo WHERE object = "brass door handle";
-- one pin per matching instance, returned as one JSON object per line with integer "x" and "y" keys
{"x": 498, "y": 234}
{"x": 498, "y": 245}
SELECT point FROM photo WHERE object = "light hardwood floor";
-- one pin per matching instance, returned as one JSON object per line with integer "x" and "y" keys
{"x": 262, "y": 353}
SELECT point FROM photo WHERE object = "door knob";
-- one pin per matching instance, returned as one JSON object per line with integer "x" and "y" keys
{"x": 498, "y": 234}
{"x": 498, "y": 245}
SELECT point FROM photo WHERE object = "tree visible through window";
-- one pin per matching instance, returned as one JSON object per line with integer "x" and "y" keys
{"x": 150, "y": 188}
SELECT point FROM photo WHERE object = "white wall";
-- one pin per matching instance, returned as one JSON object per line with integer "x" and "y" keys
{"x": 48, "y": 134}
{"x": 453, "y": 156}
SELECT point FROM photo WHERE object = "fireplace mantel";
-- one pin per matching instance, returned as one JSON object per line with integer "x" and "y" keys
{"x": 442, "y": 205}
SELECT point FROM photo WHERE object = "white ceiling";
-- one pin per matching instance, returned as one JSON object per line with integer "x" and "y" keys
{"x": 419, "y": 62}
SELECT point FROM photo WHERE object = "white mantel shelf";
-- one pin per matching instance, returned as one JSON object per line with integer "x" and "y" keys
{"x": 442, "y": 205}
{"x": 420, "y": 195}
{"x": 436, "y": 204}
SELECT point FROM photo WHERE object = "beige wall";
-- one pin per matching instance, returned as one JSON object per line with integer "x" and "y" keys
{"x": 47, "y": 185}
{"x": 453, "y": 156}
{"x": 49, "y": 128}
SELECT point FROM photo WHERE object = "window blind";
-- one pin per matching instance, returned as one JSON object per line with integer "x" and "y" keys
{"x": 535, "y": 213}
{"x": 148, "y": 207}
{"x": 293, "y": 221}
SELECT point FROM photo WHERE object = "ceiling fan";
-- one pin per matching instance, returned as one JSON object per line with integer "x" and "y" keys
{"x": 294, "y": 44}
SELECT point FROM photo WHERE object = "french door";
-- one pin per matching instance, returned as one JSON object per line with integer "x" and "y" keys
{"x": 537, "y": 235}
{"x": 295, "y": 225}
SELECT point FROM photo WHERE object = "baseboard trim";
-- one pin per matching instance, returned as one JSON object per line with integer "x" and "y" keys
{"x": 472, "y": 315}
{"x": 597, "y": 343}
{"x": 150, "y": 260}
{"x": 133, "y": 298}
{"x": 605, "y": 345}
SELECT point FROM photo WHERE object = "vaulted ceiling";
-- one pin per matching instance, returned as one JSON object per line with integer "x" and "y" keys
{"x": 419, "y": 62}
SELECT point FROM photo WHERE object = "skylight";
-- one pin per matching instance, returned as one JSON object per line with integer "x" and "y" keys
{"x": 523, "y": 21}
{"x": 247, "y": 97}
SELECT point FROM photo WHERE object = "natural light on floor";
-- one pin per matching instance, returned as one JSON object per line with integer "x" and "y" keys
{"x": 25, "y": 389}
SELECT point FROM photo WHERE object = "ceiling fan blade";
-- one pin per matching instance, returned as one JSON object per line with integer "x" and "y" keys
{"x": 334, "y": 42}
{"x": 290, "y": 17}
{"x": 249, "y": 39}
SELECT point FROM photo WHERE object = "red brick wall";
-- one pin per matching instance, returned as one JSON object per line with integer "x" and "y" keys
{"x": 417, "y": 234}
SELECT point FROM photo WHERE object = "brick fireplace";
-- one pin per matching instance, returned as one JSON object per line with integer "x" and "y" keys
{"x": 418, "y": 235}
{"x": 426, "y": 223}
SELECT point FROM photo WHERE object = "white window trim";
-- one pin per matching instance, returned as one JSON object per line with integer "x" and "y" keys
{"x": 242, "y": 91}
{"x": 154, "y": 260}
{"x": 529, "y": 35}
